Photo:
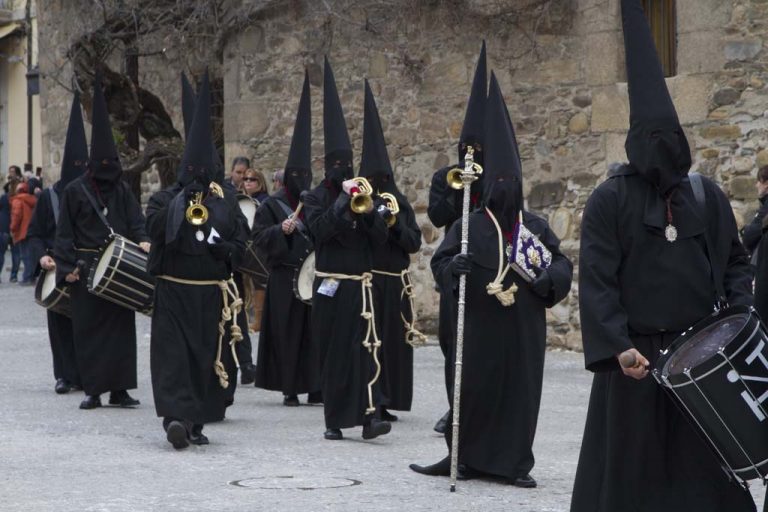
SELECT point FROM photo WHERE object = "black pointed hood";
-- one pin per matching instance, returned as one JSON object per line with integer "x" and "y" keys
{"x": 375, "y": 164}
{"x": 298, "y": 169}
{"x": 472, "y": 130}
{"x": 503, "y": 172}
{"x": 198, "y": 163}
{"x": 187, "y": 103}
{"x": 104, "y": 161}
{"x": 73, "y": 162}
{"x": 337, "y": 145}
{"x": 656, "y": 144}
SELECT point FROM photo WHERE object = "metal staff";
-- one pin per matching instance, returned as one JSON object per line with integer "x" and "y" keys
{"x": 470, "y": 173}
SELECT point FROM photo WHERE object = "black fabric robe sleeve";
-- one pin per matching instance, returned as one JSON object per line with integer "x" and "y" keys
{"x": 560, "y": 270}
{"x": 323, "y": 222}
{"x": 441, "y": 261}
{"x": 268, "y": 232}
{"x": 603, "y": 318}
{"x": 157, "y": 216}
{"x": 751, "y": 233}
{"x": 137, "y": 231}
{"x": 64, "y": 246}
{"x": 39, "y": 232}
{"x": 377, "y": 229}
{"x": 405, "y": 232}
{"x": 444, "y": 202}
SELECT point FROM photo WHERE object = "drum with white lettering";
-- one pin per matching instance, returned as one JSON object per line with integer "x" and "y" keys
{"x": 718, "y": 373}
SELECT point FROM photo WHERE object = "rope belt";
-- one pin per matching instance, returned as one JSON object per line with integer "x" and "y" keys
{"x": 413, "y": 336}
{"x": 496, "y": 287}
{"x": 366, "y": 286}
{"x": 231, "y": 306}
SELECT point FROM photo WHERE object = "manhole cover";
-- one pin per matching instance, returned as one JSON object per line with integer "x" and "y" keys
{"x": 304, "y": 483}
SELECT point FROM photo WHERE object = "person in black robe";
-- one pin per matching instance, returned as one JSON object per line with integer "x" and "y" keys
{"x": 286, "y": 361}
{"x": 189, "y": 359}
{"x": 644, "y": 278}
{"x": 445, "y": 202}
{"x": 753, "y": 231}
{"x": 42, "y": 234}
{"x": 505, "y": 329}
{"x": 104, "y": 332}
{"x": 345, "y": 243}
{"x": 394, "y": 316}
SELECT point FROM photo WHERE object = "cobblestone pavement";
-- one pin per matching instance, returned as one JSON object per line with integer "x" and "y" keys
{"x": 263, "y": 457}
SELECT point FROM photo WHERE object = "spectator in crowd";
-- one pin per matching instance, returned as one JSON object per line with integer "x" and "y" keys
{"x": 255, "y": 185}
{"x": 239, "y": 165}
{"x": 277, "y": 180}
{"x": 751, "y": 233}
{"x": 22, "y": 205}
{"x": 14, "y": 178}
{"x": 14, "y": 173}
{"x": 5, "y": 229}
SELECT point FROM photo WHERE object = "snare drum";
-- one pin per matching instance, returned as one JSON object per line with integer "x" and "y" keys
{"x": 50, "y": 296}
{"x": 119, "y": 274}
{"x": 304, "y": 278}
{"x": 248, "y": 206}
{"x": 718, "y": 372}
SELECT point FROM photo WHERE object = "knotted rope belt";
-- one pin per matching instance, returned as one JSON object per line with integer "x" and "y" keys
{"x": 231, "y": 306}
{"x": 413, "y": 336}
{"x": 366, "y": 286}
{"x": 496, "y": 287}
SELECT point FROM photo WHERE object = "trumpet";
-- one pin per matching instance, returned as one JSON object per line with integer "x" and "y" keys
{"x": 454, "y": 175}
{"x": 197, "y": 213}
{"x": 361, "y": 201}
{"x": 390, "y": 203}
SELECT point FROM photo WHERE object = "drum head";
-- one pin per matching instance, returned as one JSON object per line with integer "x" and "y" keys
{"x": 306, "y": 278}
{"x": 706, "y": 343}
{"x": 248, "y": 207}
{"x": 103, "y": 265}
{"x": 49, "y": 284}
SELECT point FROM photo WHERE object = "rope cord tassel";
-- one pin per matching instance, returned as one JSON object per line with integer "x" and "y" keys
{"x": 413, "y": 336}
{"x": 496, "y": 287}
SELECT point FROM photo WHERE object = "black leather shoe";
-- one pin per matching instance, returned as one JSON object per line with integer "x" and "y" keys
{"x": 122, "y": 399}
{"x": 387, "y": 416}
{"x": 333, "y": 434}
{"x": 197, "y": 437}
{"x": 91, "y": 402}
{"x": 315, "y": 397}
{"x": 526, "y": 481}
{"x": 442, "y": 424}
{"x": 177, "y": 435}
{"x": 62, "y": 387}
{"x": 376, "y": 428}
{"x": 247, "y": 373}
{"x": 442, "y": 468}
{"x": 291, "y": 401}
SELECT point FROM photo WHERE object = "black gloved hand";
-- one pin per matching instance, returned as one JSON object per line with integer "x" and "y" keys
{"x": 221, "y": 249}
{"x": 461, "y": 264}
{"x": 341, "y": 206}
{"x": 542, "y": 285}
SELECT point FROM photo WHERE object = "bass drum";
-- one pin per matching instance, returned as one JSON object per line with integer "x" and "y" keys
{"x": 717, "y": 371}
{"x": 304, "y": 279}
{"x": 50, "y": 296}
{"x": 248, "y": 206}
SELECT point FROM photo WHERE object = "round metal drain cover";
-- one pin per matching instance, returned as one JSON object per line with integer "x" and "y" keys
{"x": 303, "y": 483}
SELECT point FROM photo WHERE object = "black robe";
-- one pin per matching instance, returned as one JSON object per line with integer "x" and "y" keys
{"x": 104, "y": 333}
{"x": 41, "y": 235}
{"x": 343, "y": 244}
{"x": 638, "y": 290}
{"x": 285, "y": 359}
{"x": 396, "y": 355}
{"x": 504, "y": 348}
{"x": 186, "y": 317}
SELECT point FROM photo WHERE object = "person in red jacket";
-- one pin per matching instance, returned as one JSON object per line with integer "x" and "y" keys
{"x": 22, "y": 205}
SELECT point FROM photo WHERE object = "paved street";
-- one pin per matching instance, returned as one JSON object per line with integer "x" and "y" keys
{"x": 263, "y": 457}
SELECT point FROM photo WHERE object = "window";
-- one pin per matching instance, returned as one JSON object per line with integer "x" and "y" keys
{"x": 663, "y": 22}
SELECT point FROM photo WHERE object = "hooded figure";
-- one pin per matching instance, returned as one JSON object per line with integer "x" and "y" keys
{"x": 286, "y": 361}
{"x": 445, "y": 202}
{"x": 73, "y": 162}
{"x": 187, "y": 103}
{"x": 104, "y": 163}
{"x": 640, "y": 287}
{"x": 504, "y": 343}
{"x": 345, "y": 243}
{"x": 389, "y": 263}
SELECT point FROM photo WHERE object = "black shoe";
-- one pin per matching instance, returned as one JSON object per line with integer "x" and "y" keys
{"x": 197, "y": 437}
{"x": 442, "y": 468}
{"x": 177, "y": 435}
{"x": 315, "y": 397}
{"x": 442, "y": 424}
{"x": 91, "y": 402}
{"x": 247, "y": 373}
{"x": 291, "y": 401}
{"x": 333, "y": 434}
{"x": 387, "y": 416}
{"x": 526, "y": 481}
{"x": 122, "y": 399}
{"x": 376, "y": 428}
{"x": 62, "y": 387}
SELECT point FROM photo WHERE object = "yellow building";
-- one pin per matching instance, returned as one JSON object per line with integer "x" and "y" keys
{"x": 18, "y": 143}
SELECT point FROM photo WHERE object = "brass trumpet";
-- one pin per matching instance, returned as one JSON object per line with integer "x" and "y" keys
{"x": 197, "y": 213}
{"x": 361, "y": 201}
{"x": 390, "y": 203}
{"x": 454, "y": 175}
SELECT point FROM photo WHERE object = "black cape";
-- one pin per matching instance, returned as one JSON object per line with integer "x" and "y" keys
{"x": 104, "y": 333}
{"x": 186, "y": 317}
{"x": 344, "y": 243}
{"x": 285, "y": 359}
{"x": 636, "y": 289}
{"x": 503, "y": 348}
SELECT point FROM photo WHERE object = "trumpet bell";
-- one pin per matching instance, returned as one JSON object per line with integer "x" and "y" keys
{"x": 361, "y": 203}
{"x": 454, "y": 179}
{"x": 197, "y": 214}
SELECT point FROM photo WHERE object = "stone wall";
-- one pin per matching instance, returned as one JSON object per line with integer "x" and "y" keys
{"x": 561, "y": 72}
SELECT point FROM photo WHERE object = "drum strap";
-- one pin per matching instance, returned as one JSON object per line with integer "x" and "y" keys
{"x": 96, "y": 207}
{"x": 54, "y": 205}
{"x": 232, "y": 304}
{"x": 413, "y": 336}
{"x": 697, "y": 185}
{"x": 366, "y": 284}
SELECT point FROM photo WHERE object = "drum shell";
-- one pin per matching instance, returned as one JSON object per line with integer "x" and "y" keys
{"x": 720, "y": 405}
{"x": 59, "y": 301}
{"x": 306, "y": 270}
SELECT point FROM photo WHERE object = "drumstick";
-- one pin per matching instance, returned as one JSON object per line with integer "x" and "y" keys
{"x": 627, "y": 360}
